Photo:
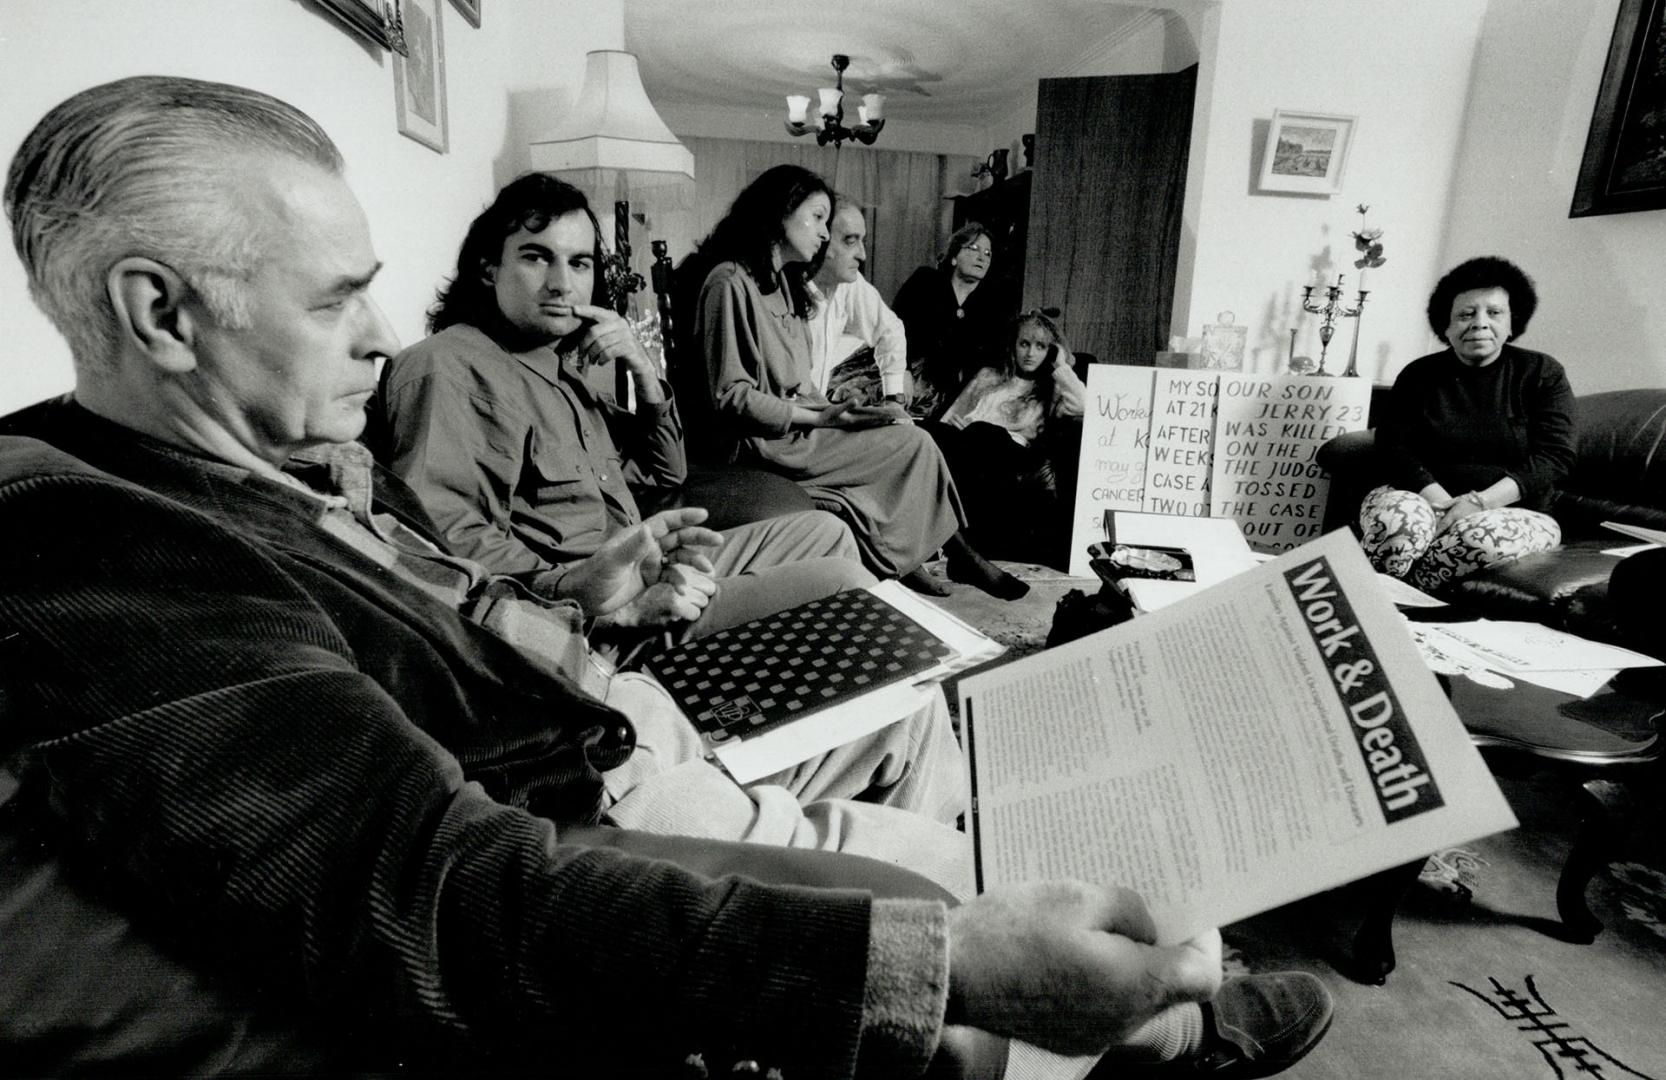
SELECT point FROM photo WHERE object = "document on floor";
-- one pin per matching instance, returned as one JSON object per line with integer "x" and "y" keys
{"x": 1273, "y": 736}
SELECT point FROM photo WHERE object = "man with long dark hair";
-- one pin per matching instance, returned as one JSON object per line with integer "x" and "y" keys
{"x": 498, "y": 423}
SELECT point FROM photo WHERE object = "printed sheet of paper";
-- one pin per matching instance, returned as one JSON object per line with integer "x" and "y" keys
{"x": 1182, "y": 441}
{"x": 1637, "y": 532}
{"x": 1111, "y": 475}
{"x": 1268, "y": 432}
{"x": 1271, "y": 737}
{"x": 1527, "y": 646}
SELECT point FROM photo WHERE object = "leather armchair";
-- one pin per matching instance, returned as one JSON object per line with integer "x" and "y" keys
{"x": 1618, "y": 475}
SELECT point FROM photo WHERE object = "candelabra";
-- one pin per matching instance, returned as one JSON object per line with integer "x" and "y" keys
{"x": 1331, "y": 310}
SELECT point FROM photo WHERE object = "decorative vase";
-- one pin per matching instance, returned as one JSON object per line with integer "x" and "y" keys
{"x": 998, "y": 164}
{"x": 1028, "y": 142}
{"x": 1352, "y": 369}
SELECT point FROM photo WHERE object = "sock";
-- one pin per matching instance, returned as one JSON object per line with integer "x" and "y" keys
{"x": 968, "y": 567}
{"x": 924, "y": 581}
{"x": 1173, "y": 1033}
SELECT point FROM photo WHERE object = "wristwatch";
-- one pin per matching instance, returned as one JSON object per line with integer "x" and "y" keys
{"x": 897, "y": 399}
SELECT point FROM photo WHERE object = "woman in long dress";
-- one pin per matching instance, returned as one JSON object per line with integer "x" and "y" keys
{"x": 866, "y": 463}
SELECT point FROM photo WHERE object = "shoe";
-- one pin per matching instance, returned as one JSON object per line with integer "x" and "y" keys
{"x": 1257, "y": 1025}
{"x": 922, "y": 580}
{"x": 970, "y": 568}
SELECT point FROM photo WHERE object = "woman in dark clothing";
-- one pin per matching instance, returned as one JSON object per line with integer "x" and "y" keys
{"x": 950, "y": 321}
{"x": 1011, "y": 444}
{"x": 1476, "y": 439}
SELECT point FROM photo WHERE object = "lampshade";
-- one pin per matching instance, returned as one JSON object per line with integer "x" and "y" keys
{"x": 613, "y": 126}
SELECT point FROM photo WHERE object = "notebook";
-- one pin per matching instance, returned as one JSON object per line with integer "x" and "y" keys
{"x": 749, "y": 679}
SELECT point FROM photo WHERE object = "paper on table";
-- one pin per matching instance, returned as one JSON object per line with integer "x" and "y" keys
{"x": 1637, "y": 532}
{"x": 1268, "y": 738}
{"x": 1405, "y": 595}
{"x": 1528, "y": 646}
{"x": 1579, "y": 683}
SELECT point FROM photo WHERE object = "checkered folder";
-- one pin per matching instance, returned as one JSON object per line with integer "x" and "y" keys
{"x": 748, "y": 679}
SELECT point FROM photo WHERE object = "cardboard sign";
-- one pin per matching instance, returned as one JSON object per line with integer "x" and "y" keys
{"x": 1268, "y": 430}
{"x": 1179, "y": 465}
{"x": 1111, "y": 475}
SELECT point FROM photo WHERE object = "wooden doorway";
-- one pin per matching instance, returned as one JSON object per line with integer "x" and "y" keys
{"x": 1105, "y": 213}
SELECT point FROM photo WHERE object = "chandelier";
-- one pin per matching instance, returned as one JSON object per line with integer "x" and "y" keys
{"x": 831, "y": 128}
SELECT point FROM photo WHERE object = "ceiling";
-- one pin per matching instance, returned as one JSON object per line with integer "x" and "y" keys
{"x": 939, "y": 61}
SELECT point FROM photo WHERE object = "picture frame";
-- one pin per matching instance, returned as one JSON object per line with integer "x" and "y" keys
{"x": 1306, "y": 152}
{"x": 365, "y": 18}
{"x": 470, "y": 10}
{"x": 1624, "y": 167}
{"x": 419, "y": 76}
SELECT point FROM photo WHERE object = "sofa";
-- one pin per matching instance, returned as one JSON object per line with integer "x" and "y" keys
{"x": 1619, "y": 475}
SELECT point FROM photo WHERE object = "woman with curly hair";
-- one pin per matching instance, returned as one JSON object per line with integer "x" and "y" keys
{"x": 866, "y": 463}
{"x": 1476, "y": 439}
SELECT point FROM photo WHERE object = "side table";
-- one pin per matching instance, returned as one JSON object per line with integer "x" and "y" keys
{"x": 1600, "y": 745}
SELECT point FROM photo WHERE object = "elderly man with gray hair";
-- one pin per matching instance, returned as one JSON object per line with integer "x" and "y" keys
{"x": 281, "y": 792}
{"x": 849, "y": 315}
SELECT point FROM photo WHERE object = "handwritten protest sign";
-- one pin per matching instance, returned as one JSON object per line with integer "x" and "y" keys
{"x": 1111, "y": 476}
{"x": 1178, "y": 467}
{"x": 1269, "y": 428}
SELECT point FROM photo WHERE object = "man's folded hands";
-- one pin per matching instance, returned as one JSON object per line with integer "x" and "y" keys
{"x": 652, "y": 574}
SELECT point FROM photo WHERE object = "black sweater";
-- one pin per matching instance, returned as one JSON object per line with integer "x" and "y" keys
{"x": 1468, "y": 427}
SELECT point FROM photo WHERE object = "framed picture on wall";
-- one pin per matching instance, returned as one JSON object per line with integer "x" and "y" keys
{"x": 419, "y": 76}
{"x": 1306, "y": 152}
{"x": 1624, "y": 167}
{"x": 470, "y": 10}
{"x": 364, "y": 17}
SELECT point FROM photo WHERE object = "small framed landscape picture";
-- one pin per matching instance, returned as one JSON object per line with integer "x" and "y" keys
{"x": 419, "y": 77}
{"x": 1306, "y": 152}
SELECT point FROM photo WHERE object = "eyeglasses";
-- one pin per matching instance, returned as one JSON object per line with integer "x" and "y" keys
{"x": 985, "y": 252}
